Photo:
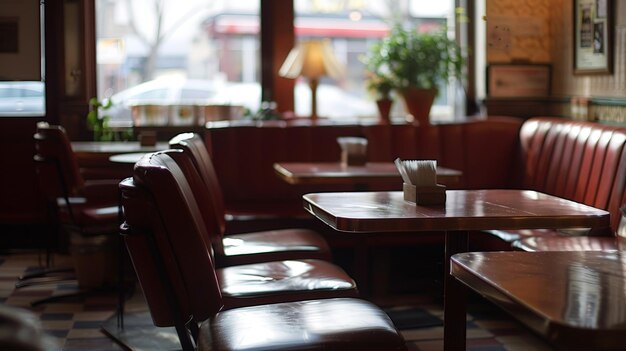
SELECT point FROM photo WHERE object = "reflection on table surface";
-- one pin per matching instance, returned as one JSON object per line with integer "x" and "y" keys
{"x": 463, "y": 210}
{"x": 578, "y": 303}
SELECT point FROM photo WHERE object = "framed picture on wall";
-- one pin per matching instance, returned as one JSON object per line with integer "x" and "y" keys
{"x": 518, "y": 80}
{"x": 593, "y": 36}
{"x": 20, "y": 54}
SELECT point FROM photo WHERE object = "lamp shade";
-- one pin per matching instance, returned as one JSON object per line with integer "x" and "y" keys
{"x": 311, "y": 59}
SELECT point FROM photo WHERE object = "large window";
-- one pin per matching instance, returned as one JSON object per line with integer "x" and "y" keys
{"x": 353, "y": 26}
{"x": 24, "y": 98}
{"x": 176, "y": 53}
{"x": 22, "y": 91}
{"x": 199, "y": 52}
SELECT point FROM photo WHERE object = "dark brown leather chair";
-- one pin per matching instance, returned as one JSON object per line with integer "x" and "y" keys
{"x": 246, "y": 247}
{"x": 87, "y": 212}
{"x": 263, "y": 282}
{"x": 165, "y": 236}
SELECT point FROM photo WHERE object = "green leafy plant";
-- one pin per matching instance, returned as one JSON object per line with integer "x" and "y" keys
{"x": 381, "y": 85}
{"x": 408, "y": 58}
{"x": 98, "y": 119}
{"x": 379, "y": 80}
{"x": 267, "y": 112}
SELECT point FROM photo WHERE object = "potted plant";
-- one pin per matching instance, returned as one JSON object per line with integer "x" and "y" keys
{"x": 98, "y": 119}
{"x": 416, "y": 63}
{"x": 98, "y": 122}
{"x": 379, "y": 82}
{"x": 382, "y": 85}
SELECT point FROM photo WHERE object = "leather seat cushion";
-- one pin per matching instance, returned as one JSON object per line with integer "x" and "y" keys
{"x": 283, "y": 281}
{"x": 511, "y": 236}
{"x": 597, "y": 239}
{"x": 88, "y": 211}
{"x": 92, "y": 219}
{"x": 274, "y": 245}
{"x": 332, "y": 324}
{"x": 571, "y": 243}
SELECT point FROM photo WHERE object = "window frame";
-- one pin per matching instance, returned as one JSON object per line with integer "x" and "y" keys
{"x": 276, "y": 37}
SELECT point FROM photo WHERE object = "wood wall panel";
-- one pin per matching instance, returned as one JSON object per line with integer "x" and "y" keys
{"x": 519, "y": 30}
{"x": 20, "y": 200}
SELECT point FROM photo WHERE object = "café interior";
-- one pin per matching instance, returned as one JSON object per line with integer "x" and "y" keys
{"x": 489, "y": 219}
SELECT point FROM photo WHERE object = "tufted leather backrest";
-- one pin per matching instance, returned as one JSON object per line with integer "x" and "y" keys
{"x": 243, "y": 153}
{"x": 213, "y": 223}
{"x": 194, "y": 147}
{"x": 580, "y": 161}
{"x": 159, "y": 202}
{"x": 483, "y": 149}
{"x": 57, "y": 166}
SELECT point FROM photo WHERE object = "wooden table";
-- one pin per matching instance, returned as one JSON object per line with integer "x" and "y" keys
{"x": 574, "y": 299}
{"x": 372, "y": 176}
{"x": 465, "y": 210}
{"x": 131, "y": 158}
{"x": 338, "y": 173}
{"x": 114, "y": 147}
{"x": 93, "y": 157}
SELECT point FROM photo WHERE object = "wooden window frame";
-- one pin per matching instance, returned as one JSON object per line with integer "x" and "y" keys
{"x": 277, "y": 39}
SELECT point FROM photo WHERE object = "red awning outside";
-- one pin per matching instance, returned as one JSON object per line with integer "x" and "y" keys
{"x": 306, "y": 26}
{"x": 318, "y": 27}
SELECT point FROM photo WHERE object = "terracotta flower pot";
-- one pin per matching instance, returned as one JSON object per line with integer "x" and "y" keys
{"x": 384, "y": 109}
{"x": 418, "y": 103}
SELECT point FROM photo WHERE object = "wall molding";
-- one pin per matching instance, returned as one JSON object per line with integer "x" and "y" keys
{"x": 608, "y": 110}
{"x": 603, "y": 110}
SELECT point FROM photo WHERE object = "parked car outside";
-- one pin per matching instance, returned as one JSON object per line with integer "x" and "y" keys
{"x": 22, "y": 98}
{"x": 166, "y": 91}
{"x": 28, "y": 98}
{"x": 333, "y": 102}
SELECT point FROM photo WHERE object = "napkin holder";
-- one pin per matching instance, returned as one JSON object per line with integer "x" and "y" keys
{"x": 425, "y": 195}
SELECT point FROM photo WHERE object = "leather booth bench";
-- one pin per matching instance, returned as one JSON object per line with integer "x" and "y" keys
{"x": 244, "y": 152}
{"x": 581, "y": 161}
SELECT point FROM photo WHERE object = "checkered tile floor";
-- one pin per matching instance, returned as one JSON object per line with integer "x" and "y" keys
{"x": 76, "y": 324}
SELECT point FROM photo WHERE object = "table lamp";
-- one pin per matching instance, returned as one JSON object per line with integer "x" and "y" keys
{"x": 312, "y": 59}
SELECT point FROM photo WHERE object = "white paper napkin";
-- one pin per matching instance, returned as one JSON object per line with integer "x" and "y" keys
{"x": 418, "y": 172}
